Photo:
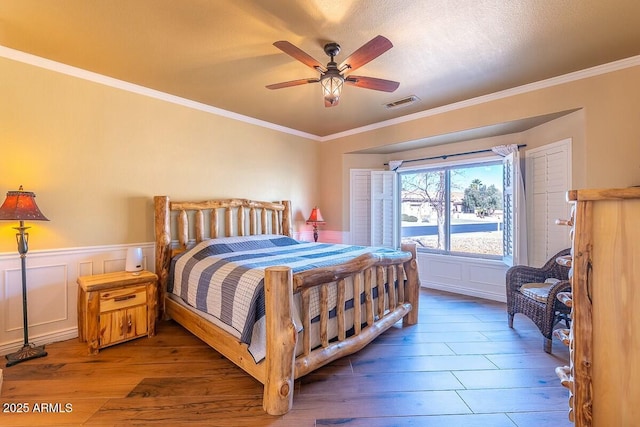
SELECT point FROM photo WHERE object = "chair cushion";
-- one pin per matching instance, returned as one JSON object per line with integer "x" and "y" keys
{"x": 538, "y": 291}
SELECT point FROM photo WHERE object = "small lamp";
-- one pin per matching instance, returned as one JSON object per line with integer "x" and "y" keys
{"x": 133, "y": 263}
{"x": 20, "y": 206}
{"x": 316, "y": 219}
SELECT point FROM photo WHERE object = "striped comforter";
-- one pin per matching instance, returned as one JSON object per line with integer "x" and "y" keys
{"x": 225, "y": 277}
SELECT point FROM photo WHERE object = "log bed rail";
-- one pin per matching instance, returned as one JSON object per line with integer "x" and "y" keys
{"x": 281, "y": 366}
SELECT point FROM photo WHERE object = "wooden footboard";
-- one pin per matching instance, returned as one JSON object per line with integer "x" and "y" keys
{"x": 398, "y": 301}
{"x": 394, "y": 278}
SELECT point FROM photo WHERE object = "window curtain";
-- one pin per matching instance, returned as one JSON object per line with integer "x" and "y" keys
{"x": 521, "y": 256}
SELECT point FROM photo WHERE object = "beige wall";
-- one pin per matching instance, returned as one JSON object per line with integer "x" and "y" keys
{"x": 95, "y": 156}
{"x": 605, "y": 133}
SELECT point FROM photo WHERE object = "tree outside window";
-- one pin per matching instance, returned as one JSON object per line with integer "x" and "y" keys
{"x": 456, "y": 209}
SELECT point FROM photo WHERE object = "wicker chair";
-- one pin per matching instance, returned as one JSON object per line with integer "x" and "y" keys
{"x": 544, "y": 314}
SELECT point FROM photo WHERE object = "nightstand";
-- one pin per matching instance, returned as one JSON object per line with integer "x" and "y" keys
{"x": 116, "y": 307}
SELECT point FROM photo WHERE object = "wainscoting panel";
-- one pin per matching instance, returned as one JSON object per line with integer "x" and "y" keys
{"x": 463, "y": 275}
{"x": 444, "y": 269}
{"x": 52, "y": 290}
{"x": 324, "y": 236}
{"x": 47, "y": 296}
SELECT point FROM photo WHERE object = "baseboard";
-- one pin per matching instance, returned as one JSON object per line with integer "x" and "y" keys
{"x": 44, "y": 339}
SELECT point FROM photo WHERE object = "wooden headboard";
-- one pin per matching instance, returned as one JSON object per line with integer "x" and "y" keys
{"x": 180, "y": 224}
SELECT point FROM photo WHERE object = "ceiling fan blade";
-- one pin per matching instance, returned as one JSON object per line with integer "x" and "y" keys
{"x": 367, "y": 52}
{"x": 298, "y": 54}
{"x": 292, "y": 83}
{"x": 372, "y": 83}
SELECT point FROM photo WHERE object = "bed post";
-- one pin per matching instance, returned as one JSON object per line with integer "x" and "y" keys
{"x": 163, "y": 247}
{"x": 281, "y": 341}
{"x": 287, "y": 229}
{"x": 412, "y": 290}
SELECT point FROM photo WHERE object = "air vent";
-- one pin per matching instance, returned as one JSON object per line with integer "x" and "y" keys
{"x": 403, "y": 102}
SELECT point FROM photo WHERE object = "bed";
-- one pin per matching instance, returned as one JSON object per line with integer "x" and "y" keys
{"x": 302, "y": 306}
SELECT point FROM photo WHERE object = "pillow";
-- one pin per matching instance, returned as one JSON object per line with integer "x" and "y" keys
{"x": 225, "y": 245}
{"x": 536, "y": 291}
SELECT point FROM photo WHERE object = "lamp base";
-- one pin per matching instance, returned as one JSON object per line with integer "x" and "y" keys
{"x": 27, "y": 352}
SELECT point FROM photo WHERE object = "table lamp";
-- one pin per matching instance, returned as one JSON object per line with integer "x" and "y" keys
{"x": 316, "y": 219}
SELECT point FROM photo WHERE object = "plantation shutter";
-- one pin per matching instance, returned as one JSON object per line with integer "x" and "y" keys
{"x": 509, "y": 180}
{"x": 384, "y": 212}
{"x": 360, "y": 222}
{"x": 548, "y": 177}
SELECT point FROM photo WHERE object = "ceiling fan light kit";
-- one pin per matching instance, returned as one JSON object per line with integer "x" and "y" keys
{"x": 332, "y": 76}
{"x": 332, "y": 88}
{"x": 332, "y": 79}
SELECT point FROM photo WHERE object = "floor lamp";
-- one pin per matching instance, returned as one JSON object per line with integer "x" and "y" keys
{"x": 21, "y": 206}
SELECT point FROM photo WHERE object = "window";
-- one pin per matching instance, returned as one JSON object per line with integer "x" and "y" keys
{"x": 455, "y": 209}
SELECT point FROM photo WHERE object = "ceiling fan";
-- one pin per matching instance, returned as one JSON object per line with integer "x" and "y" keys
{"x": 332, "y": 76}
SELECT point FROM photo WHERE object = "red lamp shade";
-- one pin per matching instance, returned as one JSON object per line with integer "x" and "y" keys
{"x": 21, "y": 206}
{"x": 315, "y": 217}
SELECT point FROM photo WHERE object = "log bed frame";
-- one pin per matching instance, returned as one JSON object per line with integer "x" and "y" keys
{"x": 280, "y": 368}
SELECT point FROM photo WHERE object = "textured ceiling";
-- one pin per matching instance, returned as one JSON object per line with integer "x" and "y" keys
{"x": 221, "y": 52}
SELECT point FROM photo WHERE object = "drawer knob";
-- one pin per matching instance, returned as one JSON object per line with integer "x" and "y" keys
{"x": 568, "y": 222}
{"x": 565, "y": 260}
{"x": 564, "y": 373}
{"x": 566, "y": 298}
{"x": 562, "y": 335}
{"x": 124, "y": 298}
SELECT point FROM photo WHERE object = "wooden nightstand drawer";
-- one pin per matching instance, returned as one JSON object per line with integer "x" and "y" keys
{"x": 116, "y": 307}
{"x": 122, "y": 298}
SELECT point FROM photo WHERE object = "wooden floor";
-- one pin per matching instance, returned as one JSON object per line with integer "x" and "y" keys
{"x": 460, "y": 366}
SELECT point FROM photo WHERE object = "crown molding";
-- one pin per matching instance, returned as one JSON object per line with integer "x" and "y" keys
{"x": 48, "y": 64}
